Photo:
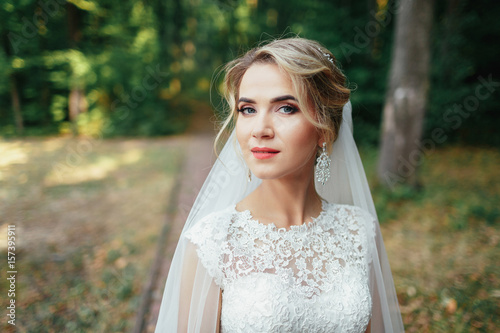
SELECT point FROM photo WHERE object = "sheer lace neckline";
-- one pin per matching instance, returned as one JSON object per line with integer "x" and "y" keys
{"x": 246, "y": 215}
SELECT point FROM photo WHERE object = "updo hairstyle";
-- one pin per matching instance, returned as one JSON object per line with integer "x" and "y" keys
{"x": 319, "y": 84}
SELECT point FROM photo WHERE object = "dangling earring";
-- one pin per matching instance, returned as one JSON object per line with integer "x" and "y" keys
{"x": 323, "y": 166}
{"x": 249, "y": 176}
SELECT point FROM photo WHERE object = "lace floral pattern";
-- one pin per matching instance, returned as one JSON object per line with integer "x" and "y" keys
{"x": 310, "y": 278}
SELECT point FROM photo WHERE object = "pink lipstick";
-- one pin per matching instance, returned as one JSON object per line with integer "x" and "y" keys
{"x": 264, "y": 152}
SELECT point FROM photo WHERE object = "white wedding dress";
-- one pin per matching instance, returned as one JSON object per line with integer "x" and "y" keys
{"x": 309, "y": 278}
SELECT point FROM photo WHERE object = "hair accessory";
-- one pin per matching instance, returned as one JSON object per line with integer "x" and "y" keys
{"x": 327, "y": 56}
{"x": 323, "y": 166}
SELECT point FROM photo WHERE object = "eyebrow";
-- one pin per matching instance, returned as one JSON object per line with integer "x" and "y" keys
{"x": 274, "y": 100}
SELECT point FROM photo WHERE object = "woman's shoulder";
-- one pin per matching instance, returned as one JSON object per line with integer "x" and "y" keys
{"x": 348, "y": 210}
{"x": 210, "y": 225}
{"x": 219, "y": 214}
{"x": 209, "y": 236}
{"x": 354, "y": 225}
{"x": 351, "y": 216}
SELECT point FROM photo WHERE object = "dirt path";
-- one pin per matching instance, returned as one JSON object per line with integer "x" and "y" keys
{"x": 197, "y": 162}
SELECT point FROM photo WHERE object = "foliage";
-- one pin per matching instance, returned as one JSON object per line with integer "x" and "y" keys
{"x": 463, "y": 58}
{"x": 138, "y": 62}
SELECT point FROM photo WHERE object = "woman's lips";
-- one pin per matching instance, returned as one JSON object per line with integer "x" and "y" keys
{"x": 264, "y": 153}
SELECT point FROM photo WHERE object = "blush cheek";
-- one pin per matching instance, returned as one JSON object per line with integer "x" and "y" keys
{"x": 241, "y": 136}
{"x": 304, "y": 136}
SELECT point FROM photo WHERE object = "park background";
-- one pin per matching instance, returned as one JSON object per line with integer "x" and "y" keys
{"x": 104, "y": 106}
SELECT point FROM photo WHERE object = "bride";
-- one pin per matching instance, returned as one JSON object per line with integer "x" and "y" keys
{"x": 283, "y": 236}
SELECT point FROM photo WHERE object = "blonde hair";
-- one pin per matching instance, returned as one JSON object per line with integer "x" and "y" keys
{"x": 315, "y": 76}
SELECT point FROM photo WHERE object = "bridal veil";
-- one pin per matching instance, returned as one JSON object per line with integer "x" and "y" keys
{"x": 191, "y": 298}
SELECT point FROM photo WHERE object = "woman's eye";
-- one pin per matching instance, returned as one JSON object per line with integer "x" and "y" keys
{"x": 247, "y": 110}
{"x": 288, "y": 109}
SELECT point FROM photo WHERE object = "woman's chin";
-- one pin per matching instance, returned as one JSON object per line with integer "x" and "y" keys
{"x": 265, "y": 175}
{"x": 269, "y": 175}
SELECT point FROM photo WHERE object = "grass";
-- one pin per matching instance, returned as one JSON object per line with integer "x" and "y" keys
{"x": 87, "y": 216}
{"x": 443, "y": 241}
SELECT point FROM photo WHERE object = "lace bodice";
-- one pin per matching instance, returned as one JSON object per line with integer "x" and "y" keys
{"x": 310, "y": 278}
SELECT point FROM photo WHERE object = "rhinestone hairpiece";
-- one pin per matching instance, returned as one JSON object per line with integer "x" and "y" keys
{"x": 327, "y": 56}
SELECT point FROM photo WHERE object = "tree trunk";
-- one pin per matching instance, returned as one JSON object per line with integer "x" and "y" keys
{"x": 16, "y": 104}
{"x": 160, "y": 9}
{"x": 405, "y": 103}
{"x": 14, "y": 87}
{"x": 178, "y": 21}
{"x": 77, "y": 104}
{"x": 76, "y": 100}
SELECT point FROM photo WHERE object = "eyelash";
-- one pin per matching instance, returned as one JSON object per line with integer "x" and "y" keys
{"x": 242, "y": 110}
{"x": 293, "y": 109}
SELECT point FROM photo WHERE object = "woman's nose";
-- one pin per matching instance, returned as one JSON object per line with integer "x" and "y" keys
{"x": 263, "y": 126}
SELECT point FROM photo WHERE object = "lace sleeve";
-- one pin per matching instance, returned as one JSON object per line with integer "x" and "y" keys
{"x": 210, "y": 238}
{"x": 370, "y": 224}
{"x": 364, "y": 225}
{"x": 385, "y": 310}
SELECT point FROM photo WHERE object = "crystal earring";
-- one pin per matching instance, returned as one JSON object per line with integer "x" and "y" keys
{"x": 323, "y": 166}
{"x": 249, "y": 176}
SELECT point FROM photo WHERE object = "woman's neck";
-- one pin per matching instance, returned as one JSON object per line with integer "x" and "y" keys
{"x": 284, "y": 202}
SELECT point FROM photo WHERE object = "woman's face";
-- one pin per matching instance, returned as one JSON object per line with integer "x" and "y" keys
{"x": 276, "y": 138}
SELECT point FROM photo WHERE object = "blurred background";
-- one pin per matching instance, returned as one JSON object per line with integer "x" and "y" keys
{"x": 103, "y": 104}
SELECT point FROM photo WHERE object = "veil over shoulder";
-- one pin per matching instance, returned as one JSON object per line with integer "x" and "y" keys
{"x": 191, "y": 299}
